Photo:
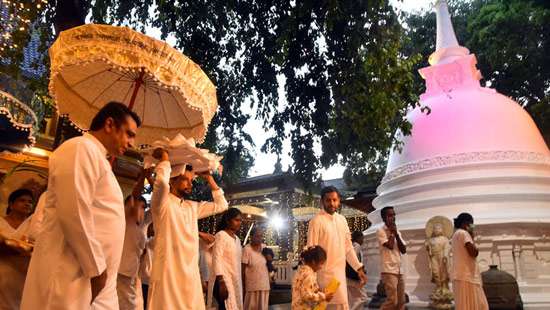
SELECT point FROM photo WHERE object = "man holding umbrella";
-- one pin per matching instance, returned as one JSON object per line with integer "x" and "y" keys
{"x": 77, "y": 255}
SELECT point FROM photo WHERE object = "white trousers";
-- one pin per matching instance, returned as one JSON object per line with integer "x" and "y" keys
{"x": 357, "y": 295}
{"x": 127, "y": 292}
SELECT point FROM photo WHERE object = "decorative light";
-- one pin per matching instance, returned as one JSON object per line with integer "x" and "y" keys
{"x": 38, "y": 151}
{"x": 277, "y": 222}
{"x": 16, "y": 16}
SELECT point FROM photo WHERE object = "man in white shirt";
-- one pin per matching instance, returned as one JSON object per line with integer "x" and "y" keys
{"x": 77, "y": 255}
{"x": 175, "y": 281}
{"x": 330, "y": 230}
{"x": 391, "y": 246}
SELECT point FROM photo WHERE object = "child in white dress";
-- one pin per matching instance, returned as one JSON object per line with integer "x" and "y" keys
{"x": 306, "y": 293}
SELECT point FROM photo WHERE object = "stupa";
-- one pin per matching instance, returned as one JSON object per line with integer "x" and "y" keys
{"x": 478, "y": 152}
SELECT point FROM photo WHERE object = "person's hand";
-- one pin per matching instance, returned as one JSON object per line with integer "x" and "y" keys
{"x": 329, "y": 296}
{"x": 206, "y": 237}
{"x": 393, "y": 228}
{"x": 149, "y": 175}
{"x": 148, "y": 172}
{"x": 223, "y": 290}
{"x": 471, "y": 231}
{"x": 160, "y": 154}
{"x": 362, "y": 276}
{"x": 97, "y": 284}
{"x": 18, "y": 247}
{"x": 207, "y": 176}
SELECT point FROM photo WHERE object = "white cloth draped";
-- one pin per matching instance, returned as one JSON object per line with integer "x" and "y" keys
{"x": 82, "y": 231}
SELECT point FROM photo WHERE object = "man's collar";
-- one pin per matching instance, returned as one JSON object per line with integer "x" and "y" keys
{"x": 325, "y": 212}
{"x": 98, "y": 143}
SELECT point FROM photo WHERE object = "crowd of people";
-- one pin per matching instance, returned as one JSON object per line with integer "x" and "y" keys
{"x": 92, "y": 249}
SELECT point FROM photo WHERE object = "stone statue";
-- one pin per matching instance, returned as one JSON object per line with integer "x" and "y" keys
{"x": 438, "y": 231}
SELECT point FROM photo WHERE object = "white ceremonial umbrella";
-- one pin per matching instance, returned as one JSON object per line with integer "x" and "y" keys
{"x": 94, "y": 64}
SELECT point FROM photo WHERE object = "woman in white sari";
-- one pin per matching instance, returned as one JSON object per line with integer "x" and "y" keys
{"x": 227, "y": 285}
{"x": 14, "y": 261}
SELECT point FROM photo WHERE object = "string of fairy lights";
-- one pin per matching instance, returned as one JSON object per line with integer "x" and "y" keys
{"x": 290, "y": 235}
{"x": 16, "y": 16}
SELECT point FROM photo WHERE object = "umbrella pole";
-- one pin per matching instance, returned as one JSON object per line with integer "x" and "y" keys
{"x": 139, "y": 82}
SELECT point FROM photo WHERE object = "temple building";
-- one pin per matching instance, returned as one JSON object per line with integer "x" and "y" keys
{"x": 478, "y": 152}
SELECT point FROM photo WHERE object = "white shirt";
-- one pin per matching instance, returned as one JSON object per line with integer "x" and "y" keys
{"x": 82, "y": 231}
{"x": 146, "y": 261}
{"x": 256, "y": 274}
{"x": 332, "y": 233}
{"x": 465, "y": 267}
{"x": 37, "y": 218}
{"x": 134, "y": 244}
{"x": 13, "y": 268}
{"x": 226, "y": 261}
{"x": 390, "y": 260}
{"x": 358, "y": 251}
{"x": 175, "y": 278}
{"x": 205, "y": 259}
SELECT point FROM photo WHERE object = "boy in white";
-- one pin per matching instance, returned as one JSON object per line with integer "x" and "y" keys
{"x": 357, "y": 294}
{"x": 391, "y": 246}
{"x": 468, "y": 293}
{"x": 134, "y": 245}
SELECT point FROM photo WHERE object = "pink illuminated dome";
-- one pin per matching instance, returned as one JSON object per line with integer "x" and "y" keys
{"x": 464, "y": 117}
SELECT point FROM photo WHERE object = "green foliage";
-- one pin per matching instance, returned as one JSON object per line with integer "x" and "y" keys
{"x": 346, "y": 82}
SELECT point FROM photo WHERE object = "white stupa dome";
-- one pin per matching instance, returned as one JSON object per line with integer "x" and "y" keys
{"x": 467, "y": 120}
{"x": 475, "y": 148}
{"x": 477, "y": 151}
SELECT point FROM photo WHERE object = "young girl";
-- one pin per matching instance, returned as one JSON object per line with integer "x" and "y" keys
{"x": 226, "y": 261}
{"x": 305, "y": 290}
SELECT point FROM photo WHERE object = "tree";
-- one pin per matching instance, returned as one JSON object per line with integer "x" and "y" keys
{"x": 347, "y": 84}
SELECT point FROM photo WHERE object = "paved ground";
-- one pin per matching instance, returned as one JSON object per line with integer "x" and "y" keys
{"x": 287, "y": 307}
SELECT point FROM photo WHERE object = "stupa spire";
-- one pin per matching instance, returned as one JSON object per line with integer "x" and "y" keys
{"x": 447, "y": 48}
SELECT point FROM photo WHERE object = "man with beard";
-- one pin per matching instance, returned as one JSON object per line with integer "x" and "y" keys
{"x": 330, "y": 230}
{"x": 175, "y": 277}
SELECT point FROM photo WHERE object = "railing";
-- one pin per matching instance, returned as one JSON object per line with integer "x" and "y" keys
{"x": 284, "y": 273}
